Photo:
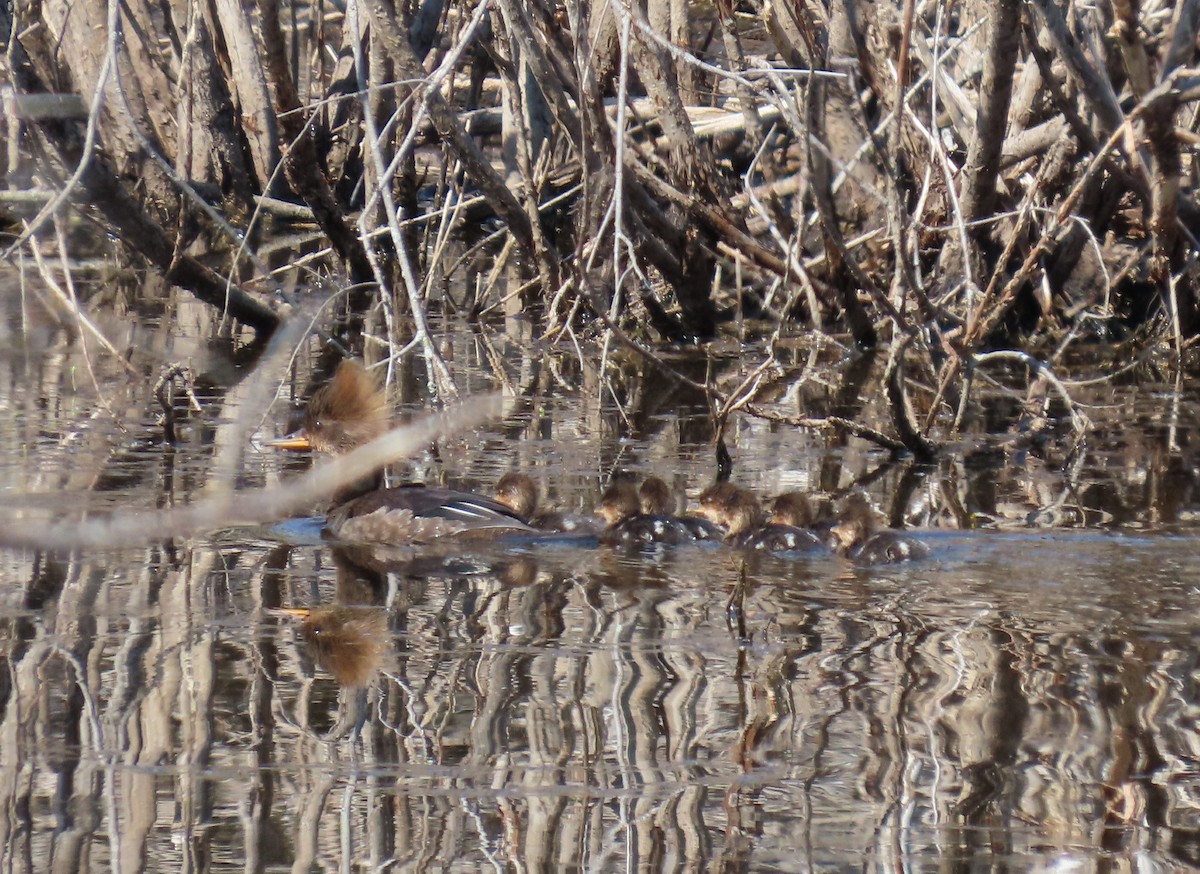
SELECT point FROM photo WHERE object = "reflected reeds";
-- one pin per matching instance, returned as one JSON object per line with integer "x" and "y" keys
{"x": 592, "y": 709}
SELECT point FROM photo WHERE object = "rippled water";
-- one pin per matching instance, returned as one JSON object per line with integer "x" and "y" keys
{"x": 1026, "y": 700}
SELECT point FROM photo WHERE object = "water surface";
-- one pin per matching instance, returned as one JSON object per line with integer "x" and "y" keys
{"x": 1025, "y": 700}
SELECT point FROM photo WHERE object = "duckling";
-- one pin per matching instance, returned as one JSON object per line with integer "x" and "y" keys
{"x": 655, "y": 497}
{"x": 740, "y": 513}
{"x": 791, "y": 508}
{"x": 787, "y": 528}
{"x": 733, "y": 509}
{"x": 856, "y": 536}
{"x": 518, "y": 492}
{"x": 621, "y": 509}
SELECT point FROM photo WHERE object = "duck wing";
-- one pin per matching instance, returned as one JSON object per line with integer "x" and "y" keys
{"x": 416, "y": 514}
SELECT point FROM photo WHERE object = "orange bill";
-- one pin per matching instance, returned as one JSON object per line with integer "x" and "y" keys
{"x": 297, "y": 441}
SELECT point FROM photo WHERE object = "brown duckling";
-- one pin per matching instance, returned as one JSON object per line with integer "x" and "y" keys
{"x": 351, "y": 410}
{"x": 732, "y": 508}
{"x": 655, "y": 498}
{"x": 739, "y": 512}
{"x": 788, "y": 528}
{"x": 518, "y": 492}
{"x": 791, "y": 508}
{"x": 620, "y": 501}
{"x": 856, "y": 536}
{"x": 621, "y": 509}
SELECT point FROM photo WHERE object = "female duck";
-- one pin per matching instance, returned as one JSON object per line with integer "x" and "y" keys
{"x": 351, "y": 410}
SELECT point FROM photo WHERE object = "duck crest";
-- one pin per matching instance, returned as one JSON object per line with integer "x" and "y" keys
{"x": 349, "y": 410}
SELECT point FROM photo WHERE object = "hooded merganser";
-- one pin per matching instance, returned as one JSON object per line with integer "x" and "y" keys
{"x": 791, "y": 508}
{"x": 739, "y": 512}
{"x": 655, "y": 498}
{"x": 621, "y": 509}
{"x": 789, "y": 527}
{"x": 856, "y": 536}
{"x": 351, "y": 410}
{"x": 518, "y": 492}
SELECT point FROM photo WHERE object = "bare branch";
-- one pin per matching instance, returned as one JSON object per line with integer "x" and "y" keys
{"x": 249, "y": 506}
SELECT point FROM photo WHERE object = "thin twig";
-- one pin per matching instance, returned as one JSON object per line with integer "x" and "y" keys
{"x": 249, "y": 506}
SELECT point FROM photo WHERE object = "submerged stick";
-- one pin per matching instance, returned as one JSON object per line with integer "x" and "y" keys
{"x": 248, "y": 506}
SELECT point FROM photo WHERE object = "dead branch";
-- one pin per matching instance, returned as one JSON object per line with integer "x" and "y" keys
{"x": 249, "y": 506}
{"x": 304, "y": 170}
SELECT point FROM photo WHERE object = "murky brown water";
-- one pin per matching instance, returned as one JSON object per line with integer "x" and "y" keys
{"x": 1027, "y": 700}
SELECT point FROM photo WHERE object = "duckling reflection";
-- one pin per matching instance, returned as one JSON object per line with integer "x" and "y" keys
{"x": 350, "y": 642}
{"x": 616, "y": 572}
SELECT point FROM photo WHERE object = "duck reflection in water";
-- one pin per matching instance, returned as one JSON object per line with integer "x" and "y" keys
{"x": 349, "y": 641}
{"x": 362, "y": 579}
